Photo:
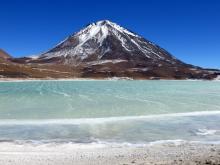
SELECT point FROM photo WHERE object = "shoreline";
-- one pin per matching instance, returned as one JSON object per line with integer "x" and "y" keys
{"x": 96, "y": 79}
{"x": 68, "y": 154}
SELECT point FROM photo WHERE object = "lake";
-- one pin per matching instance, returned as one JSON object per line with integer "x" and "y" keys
{"x": 110, "y": 112}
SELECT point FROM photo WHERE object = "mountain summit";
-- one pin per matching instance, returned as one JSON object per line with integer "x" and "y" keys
{"x": 105, "y": 40}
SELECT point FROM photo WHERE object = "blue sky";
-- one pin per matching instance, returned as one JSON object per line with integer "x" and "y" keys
{"x": 188, "y": 29}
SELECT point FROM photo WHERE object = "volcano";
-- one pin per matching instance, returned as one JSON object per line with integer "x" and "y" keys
{"x": 105, "y": 50}
{"x": 105, "y": 40}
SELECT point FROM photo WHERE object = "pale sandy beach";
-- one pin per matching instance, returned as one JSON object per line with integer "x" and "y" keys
{"x": 69, "y": 154}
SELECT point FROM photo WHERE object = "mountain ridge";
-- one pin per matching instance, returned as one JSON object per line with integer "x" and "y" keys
{"x": 105, "y": 49}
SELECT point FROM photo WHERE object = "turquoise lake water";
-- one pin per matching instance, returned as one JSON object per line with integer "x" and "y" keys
{"x": 110, "y": 111}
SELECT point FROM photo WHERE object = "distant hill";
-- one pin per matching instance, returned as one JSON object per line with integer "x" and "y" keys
{"x": 4, "y": 55}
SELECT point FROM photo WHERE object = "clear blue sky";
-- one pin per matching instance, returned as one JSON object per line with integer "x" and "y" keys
{"x": 189, "y": 29}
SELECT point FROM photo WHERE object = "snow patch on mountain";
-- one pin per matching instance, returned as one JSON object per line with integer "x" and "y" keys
{"x": 105, "y": 61}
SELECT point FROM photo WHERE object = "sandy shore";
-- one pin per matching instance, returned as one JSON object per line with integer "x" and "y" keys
{"x": 70, "y": 154}
{"x": 92, "y": 79}
{"x": 46, "y": 79}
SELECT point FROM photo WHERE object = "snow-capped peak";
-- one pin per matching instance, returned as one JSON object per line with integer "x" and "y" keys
{"x": 106, "y": 40}
{"x": 96, "y": 33}
{"x": 98, "y": 30}
{"x": 117, "y": 27}
{"x": 103, "y": 27}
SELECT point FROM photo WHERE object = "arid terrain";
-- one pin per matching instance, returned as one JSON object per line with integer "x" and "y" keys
{"x": 103, "y": 50}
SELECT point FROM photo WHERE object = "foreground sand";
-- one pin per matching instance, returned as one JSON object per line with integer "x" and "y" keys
{"x": 70, "y": 154}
